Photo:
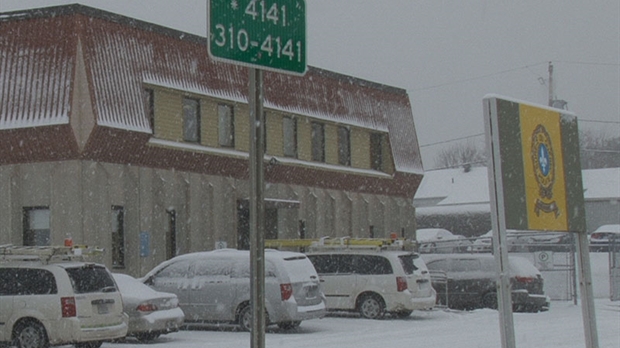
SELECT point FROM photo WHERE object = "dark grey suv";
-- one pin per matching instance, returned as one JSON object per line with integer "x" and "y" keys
{"x": 465, "y": 281}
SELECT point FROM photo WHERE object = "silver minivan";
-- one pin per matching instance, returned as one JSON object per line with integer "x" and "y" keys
{"x": 214, "y": 286}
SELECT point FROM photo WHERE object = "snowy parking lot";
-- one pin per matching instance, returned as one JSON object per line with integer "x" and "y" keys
{"x": 561, "y": 326}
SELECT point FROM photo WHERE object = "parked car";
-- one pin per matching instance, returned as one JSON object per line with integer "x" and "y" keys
{"x": 526, "y": 241}
{"x": 151, "y": 313}
{"x": 469, "y": 282}
{"x": 373, "y": 282}
{"x": 214, "y": 286}
{"x": 58, "y": 303}
{"x": 601, "y": 238}
{"x": 439, "y": 240}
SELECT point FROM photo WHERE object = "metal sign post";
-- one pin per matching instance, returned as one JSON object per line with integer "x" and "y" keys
{"x": 259, "y": 34}
{"x": 257, "y": 210}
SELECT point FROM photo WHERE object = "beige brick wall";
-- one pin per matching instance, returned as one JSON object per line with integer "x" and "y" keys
{"x": 208, "y": 133}
{"x": 360, "y": 148}
{"x": 169, "y": 126}
{"x": 331, "y": 144}
{"x": 242, "y": 127}
{"x": 273, "y": 123}
{"x": 304, "y": 139}
{"x": 168, "y": 117}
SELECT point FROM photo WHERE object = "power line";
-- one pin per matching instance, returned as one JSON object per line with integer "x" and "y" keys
{"x": 480, "y": 77}
{"x": 587, "y": 63}
{"x": 451, "y": 140}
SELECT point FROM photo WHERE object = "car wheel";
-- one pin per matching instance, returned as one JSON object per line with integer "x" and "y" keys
{"x": 371, "y": 307}
{"x": 147, "y": 336}
{"x": 289, "y": 325}
{"x": 30, "y": 335}
{"x": 245, "y": 318}
{"x": 489, "y": 300}
{"x": 92, "y": 344}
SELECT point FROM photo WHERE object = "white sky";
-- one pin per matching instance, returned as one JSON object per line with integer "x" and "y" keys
{"x": 447, "y": 54}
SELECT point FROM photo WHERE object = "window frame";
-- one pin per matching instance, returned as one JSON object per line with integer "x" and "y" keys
{"x": 376, "y": 151}
{"x": 226, "y": 135}
{"x": 31, "y": 235}
{"x": 148, "y": 96}
{"x": 344, "y": 146}
{"x": 191, "y": 133}
{"x": 171, "y": 234}
{"x": 289, "y": 136}
{"x": 318, "y": 142}
{"x": 117, "y": 237}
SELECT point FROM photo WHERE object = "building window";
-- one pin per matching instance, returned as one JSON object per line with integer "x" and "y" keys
{"x": 171, "y": 234}
{"x": 149, "y": 107}
{"x": 191, "y": 120}
{"x": 226, "y": 125}
{"x": 344, "y": 146}
{"x": 36, "y": 225}
{"x": 118, "y": 236}
{"x": 376, "y": 151}
{"x": 289, "y": 136}
{"x": 318, "y": 142}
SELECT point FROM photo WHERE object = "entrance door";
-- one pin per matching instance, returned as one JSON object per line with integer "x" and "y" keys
{"x": 243, "y": 219}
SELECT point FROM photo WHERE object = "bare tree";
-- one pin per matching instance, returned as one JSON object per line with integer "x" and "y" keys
{"x": 598, "y": 150}
{"x": 463, "y": 154}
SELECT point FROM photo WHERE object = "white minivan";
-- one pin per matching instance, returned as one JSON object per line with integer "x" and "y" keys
{"x": 43, "y": 304}
{"x": 374, "y": 282}
{"x": 214, "y": 286}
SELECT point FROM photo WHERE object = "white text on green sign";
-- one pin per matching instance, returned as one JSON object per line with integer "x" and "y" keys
{"x": 259, "y": 33}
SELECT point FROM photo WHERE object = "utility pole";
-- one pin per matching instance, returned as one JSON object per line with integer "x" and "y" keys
{"x": 551, "y": 97}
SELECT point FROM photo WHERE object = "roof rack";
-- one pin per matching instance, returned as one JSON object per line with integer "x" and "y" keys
{"x": 343, "y": 243}
{"x": 47, "y": 254}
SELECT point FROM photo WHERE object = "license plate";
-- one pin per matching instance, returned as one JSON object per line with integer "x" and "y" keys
{"x": 102, "y": 308}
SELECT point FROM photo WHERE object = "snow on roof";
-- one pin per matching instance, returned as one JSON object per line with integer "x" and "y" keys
{"x": 601, "y": 183}
{"x": 469, "y": 191}
{"x": 121, "y": 55}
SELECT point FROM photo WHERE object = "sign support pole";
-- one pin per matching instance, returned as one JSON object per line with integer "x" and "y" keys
{"x": 257, "y": 209}
{"x": 496, "y": 196}
{"x": 587, "y": 294}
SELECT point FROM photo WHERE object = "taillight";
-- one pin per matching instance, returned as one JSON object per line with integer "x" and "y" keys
{"x": 401, "y": 284}
{"x": 146, "y": 307}
{"x": 286, "y": 290}
{"x": 68, "y": 307}
{"x": 524, "y": 279}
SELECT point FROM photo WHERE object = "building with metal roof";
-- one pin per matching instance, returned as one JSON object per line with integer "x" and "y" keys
{"x": 124, "y": 134}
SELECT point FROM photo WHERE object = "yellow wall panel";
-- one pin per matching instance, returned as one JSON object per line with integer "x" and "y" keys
{"x": 242, "y": 127}
{"x": 208, "y": 122}
{"x": 273, "y": 123}
{"x": 168, "y": 117}
{"x": 304, "y": 139}
{"x": 331, "y": 144}
{"x": 360, "y": 148}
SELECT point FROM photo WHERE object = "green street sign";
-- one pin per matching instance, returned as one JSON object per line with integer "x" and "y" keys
{"x": 262, "y": 34}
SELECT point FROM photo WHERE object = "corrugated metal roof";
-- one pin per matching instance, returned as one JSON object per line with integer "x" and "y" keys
{"x": 122, "y": 54}
{"x": 35, "y": 73}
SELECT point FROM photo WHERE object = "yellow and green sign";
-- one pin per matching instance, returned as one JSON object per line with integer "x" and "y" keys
{"x": 540, "y": 169}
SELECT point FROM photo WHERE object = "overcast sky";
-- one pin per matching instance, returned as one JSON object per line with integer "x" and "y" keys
{"x": 447, "y": 54}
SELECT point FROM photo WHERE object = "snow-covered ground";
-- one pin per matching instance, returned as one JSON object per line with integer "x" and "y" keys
{"x": 561, "y": 326}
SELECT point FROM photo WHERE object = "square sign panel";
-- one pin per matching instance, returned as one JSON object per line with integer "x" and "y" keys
{"x": 536, "y": 160}
{"x": 262, "y": 34}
